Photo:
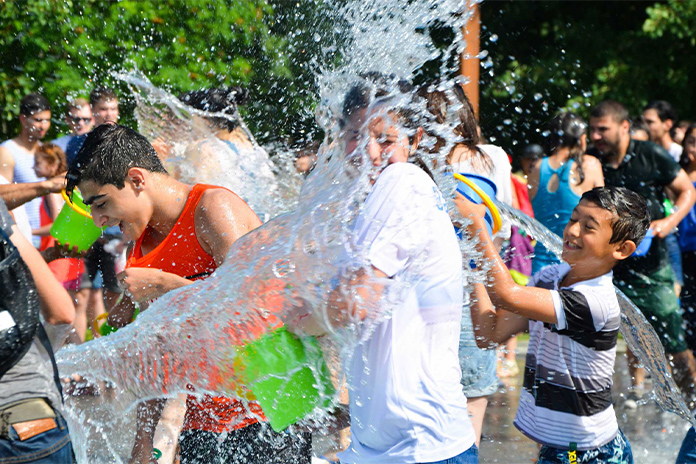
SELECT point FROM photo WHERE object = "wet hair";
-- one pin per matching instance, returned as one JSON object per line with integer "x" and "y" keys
{"x": 610, "y": 108}
{"x": 631, "y": 215}
{"x": 77, "y": 104}
{"x": 102, "y": 93}
{"x": 684, "y": 158}
{"x": 565, "y": 131}
{"x": 376, "y": 86}
{"x": 54, "y": 155}
{"x": 33, "y": 103}
{"x": 439, "y": 104}
{"x": 639, "y": 124}
{"x": 218, "y": 101}
{"x": 107, "y": 154}
{"x": 664, "y": 110}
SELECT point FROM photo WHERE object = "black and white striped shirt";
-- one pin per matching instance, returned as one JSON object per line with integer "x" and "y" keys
{"x": 568, "y": 373}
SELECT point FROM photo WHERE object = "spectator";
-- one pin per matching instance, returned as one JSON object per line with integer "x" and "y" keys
{"x": 660, "y": 117}
{"x": 79, "y": 120}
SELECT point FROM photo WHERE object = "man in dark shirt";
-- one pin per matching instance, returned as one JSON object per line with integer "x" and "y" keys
{"x": 648, "y": 281}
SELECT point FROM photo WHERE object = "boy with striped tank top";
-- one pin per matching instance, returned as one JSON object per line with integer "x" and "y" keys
{"x": 182, "y": 233}
{"x": 572, "y": 313}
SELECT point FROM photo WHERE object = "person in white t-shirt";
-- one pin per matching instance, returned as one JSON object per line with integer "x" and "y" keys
{"x": 406, "y": 400}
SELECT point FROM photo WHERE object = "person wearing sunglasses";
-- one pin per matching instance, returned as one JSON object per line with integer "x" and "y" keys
{"x": 79, "y": 119}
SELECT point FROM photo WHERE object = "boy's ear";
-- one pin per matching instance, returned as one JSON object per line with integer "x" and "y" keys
{"x": 625, "y": 250}
{"x": 138, "y": 177}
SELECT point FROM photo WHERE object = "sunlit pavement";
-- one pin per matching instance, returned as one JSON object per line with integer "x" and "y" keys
{"x": 655, "y": 435}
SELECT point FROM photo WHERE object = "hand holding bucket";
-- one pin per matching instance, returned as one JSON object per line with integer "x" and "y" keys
{"x": 74, "y": 225}
{"x": 478, "y": 189}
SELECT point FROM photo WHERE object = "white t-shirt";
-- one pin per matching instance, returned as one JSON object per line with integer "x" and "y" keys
{"x": 675, "y": 151}
{"x": 406, "y": 400}
{"x": 500, "y": 175}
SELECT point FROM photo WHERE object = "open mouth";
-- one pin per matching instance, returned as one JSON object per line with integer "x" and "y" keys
{"x": 570, "y": 246}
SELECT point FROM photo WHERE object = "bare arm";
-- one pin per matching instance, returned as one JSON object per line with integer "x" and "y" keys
{"x": 221, "y": 219}
{"x": 56, "y": 305}
{"x": 491, "y": 326}
{"x": 7, "y": 165}
{"x": 686, "y": 197}
{"x": 16, "y": 195}
{"x": 530, "y": 302}
{"x": 533, "y": 179}
{"x": 593, "y": 171}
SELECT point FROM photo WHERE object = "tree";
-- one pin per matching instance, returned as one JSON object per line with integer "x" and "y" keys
{"x": 61, "y": 48}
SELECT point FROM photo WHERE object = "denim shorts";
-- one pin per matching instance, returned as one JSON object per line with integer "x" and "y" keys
{"x": 479, "y": 377}
{"x": 50, "y": 447}
{"x": 617, "y": 451}
{"x": 470, "y": 456}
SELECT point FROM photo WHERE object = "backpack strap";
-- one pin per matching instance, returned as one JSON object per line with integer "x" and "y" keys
{"x": 43, "y": 338}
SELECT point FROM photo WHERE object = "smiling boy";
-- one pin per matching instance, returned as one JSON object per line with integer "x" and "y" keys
{"x": 182, "y": 233}
{"x": 572, "y": 313}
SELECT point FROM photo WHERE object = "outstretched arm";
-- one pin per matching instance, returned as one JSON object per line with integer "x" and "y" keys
{"x": 529, "y": 302}
{"x": 16, "y": 195}
{"x": 493, "y": 327}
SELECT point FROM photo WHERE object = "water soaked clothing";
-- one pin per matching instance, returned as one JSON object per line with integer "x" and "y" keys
{"x": 649, "y": 280}
{"x": 569, "y": 366}
{"x": 406, "y": 400}
{"x": 180, "y": 253}
{"x": 552, "y": 209}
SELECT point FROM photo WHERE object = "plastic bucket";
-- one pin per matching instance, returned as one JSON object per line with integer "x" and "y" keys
{"x": 287, "y": 375}
{"x": 644, "y": 246}
{"x": 479, "y": 189}
{"x": 74, "y": 225}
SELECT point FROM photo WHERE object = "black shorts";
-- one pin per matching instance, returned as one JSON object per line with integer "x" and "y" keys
{"x": 253, "y": 444}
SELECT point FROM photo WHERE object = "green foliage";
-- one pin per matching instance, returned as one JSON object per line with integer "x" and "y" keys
{"x": 62, "y": 48}
{"x": 549, "y": 56}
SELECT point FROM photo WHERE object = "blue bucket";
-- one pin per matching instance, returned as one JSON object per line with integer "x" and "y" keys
{"x": 644, "y": 246}
{"x": 488, "y": 188}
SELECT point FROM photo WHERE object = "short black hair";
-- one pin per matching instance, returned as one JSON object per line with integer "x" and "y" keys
{"x": 611, "y": 108}
{"x": 638, "y": 123}
{"x": 102, "y": 93}
{"x": 218, "y": 101}
{"x": 664, "y": 110}
{"x": 107, "y": 154}
{"x": 631, "y": 215}
{"x": 33, "y": 103}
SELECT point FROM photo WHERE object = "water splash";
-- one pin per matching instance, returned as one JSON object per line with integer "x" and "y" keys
{"x": 635, "y": 328}
{"x": 190, "y": 338}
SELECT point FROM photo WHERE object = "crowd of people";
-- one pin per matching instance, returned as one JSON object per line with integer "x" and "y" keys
{"x": 418, "y": 387}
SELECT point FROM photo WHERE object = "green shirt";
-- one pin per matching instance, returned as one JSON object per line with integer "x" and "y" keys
{"x": 646, "y": 169}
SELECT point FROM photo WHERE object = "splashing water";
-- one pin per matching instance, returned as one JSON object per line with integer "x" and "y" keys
{"x": 191, "y": 338}
{"x": 194, "y": 154}
{"x": 635, "y": 328}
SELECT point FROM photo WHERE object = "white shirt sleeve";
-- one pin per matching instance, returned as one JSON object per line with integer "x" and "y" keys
{"x": 393, "y": 227}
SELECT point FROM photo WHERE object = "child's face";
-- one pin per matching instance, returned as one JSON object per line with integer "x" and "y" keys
{"x": 587, "y": 234}
{"x": 43, "y": 167}
{"x": 126, "y": 208}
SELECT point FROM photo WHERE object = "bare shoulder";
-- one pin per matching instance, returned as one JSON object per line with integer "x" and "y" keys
{"x": 590, "y": 162}
{"x": 219, "y": 205}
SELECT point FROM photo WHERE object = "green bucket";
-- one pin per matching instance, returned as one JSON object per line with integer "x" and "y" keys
{"x": 287, "y": 375}
{"x": 74, "y": 225}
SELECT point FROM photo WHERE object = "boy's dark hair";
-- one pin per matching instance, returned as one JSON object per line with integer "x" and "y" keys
{"x": 631, "y": 215}
{"x": 108, "y": 153}
{"x": 101, "y": 93}
{"x": 218, "y": 101}
{"x": 33, "y": 103}
{"x": 664, "y": 110}
{"x": 638, "y": 123}
{"x": 610, "y": 108}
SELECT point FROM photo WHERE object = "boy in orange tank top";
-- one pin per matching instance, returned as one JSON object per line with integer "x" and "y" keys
{"x": 182, "y": 233}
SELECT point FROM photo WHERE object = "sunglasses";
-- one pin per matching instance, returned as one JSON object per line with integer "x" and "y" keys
{"x": 76, "y": 119}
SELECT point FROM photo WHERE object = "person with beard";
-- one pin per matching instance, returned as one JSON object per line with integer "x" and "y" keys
{"x": 648, "y": 280}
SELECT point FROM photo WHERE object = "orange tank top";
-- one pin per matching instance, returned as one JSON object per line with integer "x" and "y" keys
{"x": 180, "y": 253}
